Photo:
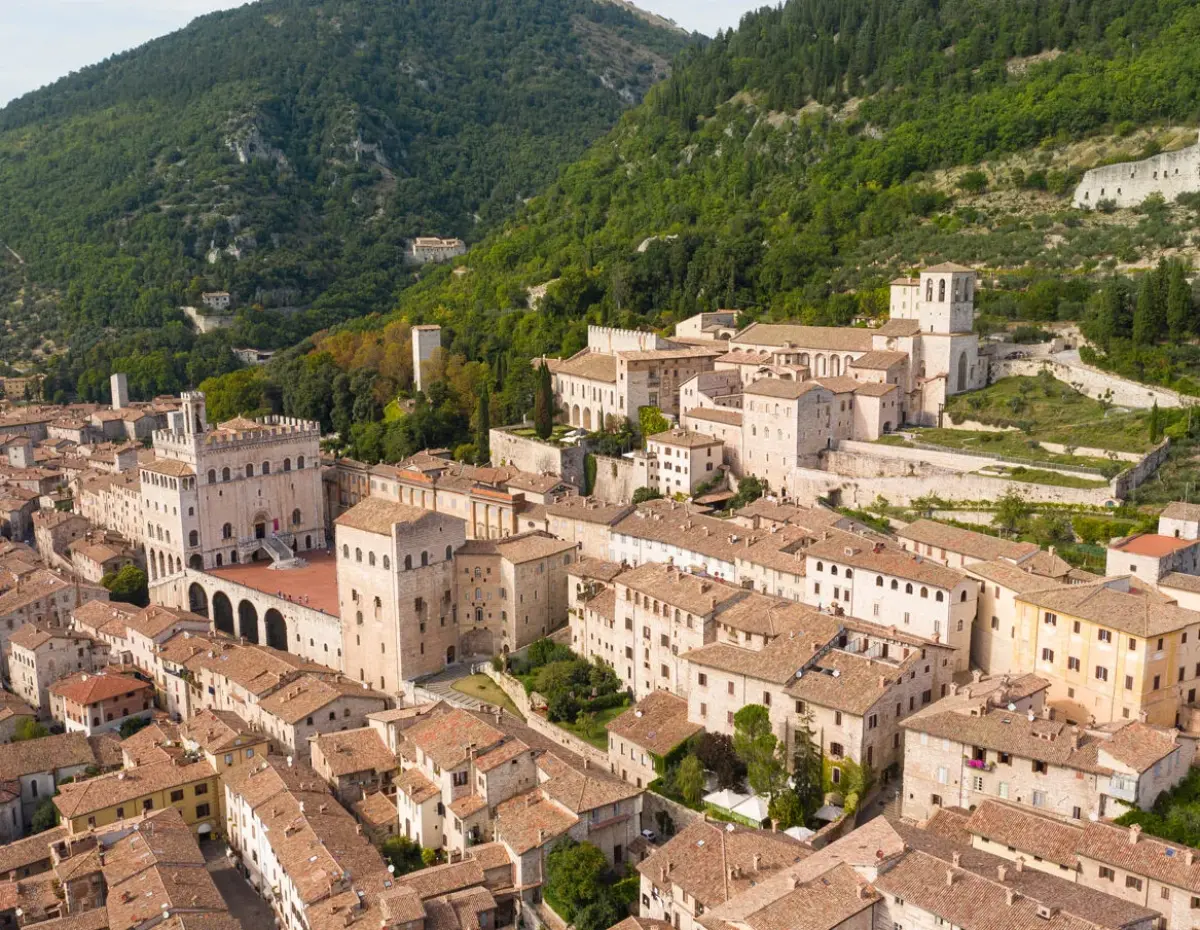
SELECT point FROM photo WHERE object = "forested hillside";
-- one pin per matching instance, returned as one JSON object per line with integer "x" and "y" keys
{"x": 789, "y": 169}
{"x": 284, "y": 150}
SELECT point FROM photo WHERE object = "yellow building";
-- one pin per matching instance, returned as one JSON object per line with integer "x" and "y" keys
{"x": 192, "y": 788}
{"x": 225, "y": 741}
{"x": 1111, "y": 650}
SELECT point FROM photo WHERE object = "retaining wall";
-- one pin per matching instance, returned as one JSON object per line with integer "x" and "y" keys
{"x": 616, "y": 479}
{"x": 535, "y": 721}
{"x": 682, "y": 817}
{"x": 1093, "y": 382}
{"x": 541, "y": 458}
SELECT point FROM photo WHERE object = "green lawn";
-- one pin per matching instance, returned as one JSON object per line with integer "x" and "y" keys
{"x": 1056, "y": 478}
{"x": 1051, "y": 411}
{"x": 1013, "y": 444}
{"x": 556, "y": 434}
{"x": 598, "y": 736}
{"x": 482, "y": 687}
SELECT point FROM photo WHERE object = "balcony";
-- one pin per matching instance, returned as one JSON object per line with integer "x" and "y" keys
{"x": 1123, "y": 789}
{"x": 979, "y": 765}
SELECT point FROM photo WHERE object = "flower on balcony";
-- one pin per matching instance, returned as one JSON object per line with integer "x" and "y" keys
{"x": 977, "y": 764}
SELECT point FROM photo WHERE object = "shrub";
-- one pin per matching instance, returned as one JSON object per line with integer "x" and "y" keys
{"x": 973, "y": 182}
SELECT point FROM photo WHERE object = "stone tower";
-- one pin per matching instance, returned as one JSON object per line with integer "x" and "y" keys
{"x": 425, "y": 340}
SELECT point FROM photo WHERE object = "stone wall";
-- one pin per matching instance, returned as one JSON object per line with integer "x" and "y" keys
{"x": 1134, "y": 476}
{"x": 535, "y": 721}
{"x": 875, "y": 460}
{"x": 615, "y": 479}
{"x": 682, "y": 817}
{"x": 1129, "y": 183}
{"x": 541, "y": 458}
{"x": 1093, "y": 382}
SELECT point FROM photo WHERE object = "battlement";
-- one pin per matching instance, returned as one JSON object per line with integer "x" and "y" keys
{"x": 610, "y": 339}
{"x": 273, "y": 429}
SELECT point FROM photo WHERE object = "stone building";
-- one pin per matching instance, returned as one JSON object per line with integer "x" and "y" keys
{"x": 91, "y": 703}
{"x": 1129, "y": 183}
{"x": 396, "y": 586}
{"x": 243, "y": 490}
{"x": 39, "y": 656}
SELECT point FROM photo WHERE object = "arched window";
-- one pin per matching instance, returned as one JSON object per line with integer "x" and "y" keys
{"x": 287, "y": 464}
{"x": 942, "y": 291}
{"x": 939, "y": 597}
{"x": 249, "y": 470}
{"x": 929, "y": 291}
{"x": 357, "y": 555}
{"x": 218, "y": 560}
{"x": 833, "y": 570}
{"x": 300, "y": 461}
{"x": 407, "y": 562}
{"x": 424, "y": 558}
{"x": 296, "y": 517}
{"x": 963, "y": 597}
{"x": 371, "y": 559}
{"x": 227, "y": 531}
{"x": 925, "y": 592}
{"x": 266, "y": 468}
{"x": 193, "y": 538}
{"x": 879, "y": 581}
{"x": 908, "y": 588}
{"x": 895, "y": 585}
{"x": 345, "y": 551}
{"x": 387, "y": 561}
{"x": 849, "y": 573}
{"x": 479, "y": 594}
{"x": 212, "y": 476}
{"x": 225, "y": 473}
{"x": 449, "y": 553}
{"x": 820, "y": 566}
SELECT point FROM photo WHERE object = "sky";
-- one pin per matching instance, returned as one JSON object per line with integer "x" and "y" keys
{"x": 42, "y": 40}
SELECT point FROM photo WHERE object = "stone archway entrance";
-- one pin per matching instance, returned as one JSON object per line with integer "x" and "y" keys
{"x": 223, "y": 613}
{"x": 962, "y": 372}
{"x": 248, "y": 621}
{"x": 276, "y": 629}
{"x": 197, "y": 600}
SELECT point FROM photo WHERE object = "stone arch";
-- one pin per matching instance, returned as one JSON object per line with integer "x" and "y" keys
{"x": 248, "y": 621}
{"x": 835, "y": 365}
{"x": 222, "y": 613}
{"x": 196, "y": 561}
{"x": 822, "y": 366}
{"x": 450, "y": 655}
{"x": 197, "y": 599}
{"x": 575, "y": 415}
{"x": 962, "y": 372}
{"x": 587, "y": 418}
{"x": 276, "y": 629}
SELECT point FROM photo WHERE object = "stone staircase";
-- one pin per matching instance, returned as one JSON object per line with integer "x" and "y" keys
{"x": 281, "y": 553}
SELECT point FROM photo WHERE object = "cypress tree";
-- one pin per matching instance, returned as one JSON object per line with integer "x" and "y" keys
{"x": 483, "y": 426}
{"x": 1144, "y": 331}
{"x": 1179, "y": 303}
{"x": 543, "y": 404}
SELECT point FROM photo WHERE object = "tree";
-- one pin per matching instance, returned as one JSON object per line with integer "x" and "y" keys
{"x": 585, "y": 720}
{"x": 1155, "y": 425}
{"x": 603, "y": 912}
{"x": 29, "y": 728}
{"x": 483, "y": 449}
{"x": 1179, "y": 303}
{"x": 689, "y": 780}
{"x": 786, "y": 809}
{"x": 1145, "y": 323}
{"x": 759, "y": 749}
{"x": 973, "y": 182}
{"x": 1011, "y": 512}
{"x": 641, "y": 495}
{"x": 652, "y": 422}
{"x": 45, "y": 817}
{"x": 132, "y": 725}
{"x": 716, "y": 753}
{"x": 749, "y": 489}
{"x": 403, "y": 853}
{"x": 128, "y": 585}
{"x": 543, "y": 403}
{"x": 573, "y": 872}
{"x": 808, "y": 766}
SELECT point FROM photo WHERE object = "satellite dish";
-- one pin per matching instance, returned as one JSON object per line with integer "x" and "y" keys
{"x": 728, "y": 828}
{"x": 1012, "y": 706}
{"x": 837, "y": 673}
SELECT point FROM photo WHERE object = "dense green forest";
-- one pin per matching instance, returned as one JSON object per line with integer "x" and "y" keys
{"x": 784, "y": 169}
{"x": 285, "y": 150}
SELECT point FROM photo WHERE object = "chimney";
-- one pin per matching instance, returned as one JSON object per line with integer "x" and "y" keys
{"x": 1002, "y": 872}
{"x": 795, "y": 881}
{"x": 957, "y": 859}
{"x": 757, "y": 861}
{"x": 949, "y": 877}
{"x": 358, "y": 829}
{"x": 1135, "y": 831}
{"x": 662, "y": 874}
{"x": 976, "y": 675}
{"x": 1010, "y": 896}
{"x": 1189, "y": 856}
{"x": 1020, "y": 863}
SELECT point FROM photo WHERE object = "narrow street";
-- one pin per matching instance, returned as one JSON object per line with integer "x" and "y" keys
{"x": 244, "y": 903}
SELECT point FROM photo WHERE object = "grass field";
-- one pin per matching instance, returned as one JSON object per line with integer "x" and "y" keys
{"x": 482, "y": 687}
{"x": 1055, "y": 478}
{"x": 598, "y": 735}
{"x": 1010, "y": 443}
{"x": 1051, "y": 411}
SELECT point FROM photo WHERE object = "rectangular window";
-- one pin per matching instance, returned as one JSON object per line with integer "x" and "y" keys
{"x": 977, "y": 782}
{"x": 1039, "y": 799}
{"x": 202, "y": 810}
{"x": 1107, "y": 873}
{"x": 943, "y": 775}
{"x": 1105, "y": 636}
{"x": 202, "y": 789}
{"x": 1049, "y": 618}
{"x": 1132, "y": 881}
{"x": 1047, "y": 655}
{"x": 702, "y": 680}
{"x": 176, "y": 795}
{"x": 1072, "y": 664}
{"x": 835, "y": 750}
{"x": 1101, "y": 673}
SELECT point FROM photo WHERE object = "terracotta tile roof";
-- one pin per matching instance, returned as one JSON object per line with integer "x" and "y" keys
{"x": 170, "y": 467}
{"x": 31, "y": 637}
{"x": 1128, "y": 848}
{"x": 706, "y": 350}
{"x": 596, "y": 569}
{"x": 1028, "y": 832}
{"x": 218, "y": 731}
{"x": 785, "y": 390}
{"x": 94, "y": 919}
{"x": 87, "y": 688}
{"x": 376, "y": 810}
{"x": 873, "y": 389}
{"x": 1178, "y": 510}
{"x": 658, "y": 723}
{"x": 523, "y": 547}
{"x": 1180, "y": 581}
{"x": 589, "y": 510}
{"x": 1008, "y": 575}
{"x": 1138, "y": 746}
{"x": 463, "y": 807}
{"x": 950, "y": 823}
{"x": 309, "y": 693}
{"x": 419, "y": 788}
{"x": 155, "y": 620}
{"x": 880, "y": 360}
{"x": 846, "y": 339}
{"x": 716, "y": 415}
{"x": 861, "y": 681}
{"x": 899, "y": 327}
{"x": 1137, "y": 611}
{"x": 74, "y": 800}
{"x": 530, "y": 820}
{"x": 510, "y": 749}
{"x": 443, "y": 879}
{"x": 30, "y": 851}
{"x": 594, "y": 366}
{"x": 777, "y": 662}
{"x": 846, "y": 549}
{"x": 350, "y": 751}
{"x": 684, "y": 438}
{"x": 948, "y": 268}
{"x": 377, "y": 515}
{"x": 107, "y": 748}
{"x": 641, "y": 923}
{"x": 449, "y": 739}
{"x": 679, "y": 589}
{"x": 714, "y": 862}
{"x": 979, "y": 546}
{"x": 1152, "y": 544}
{"x": 581, "y": 788}
{"x": 48, "y": 754}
